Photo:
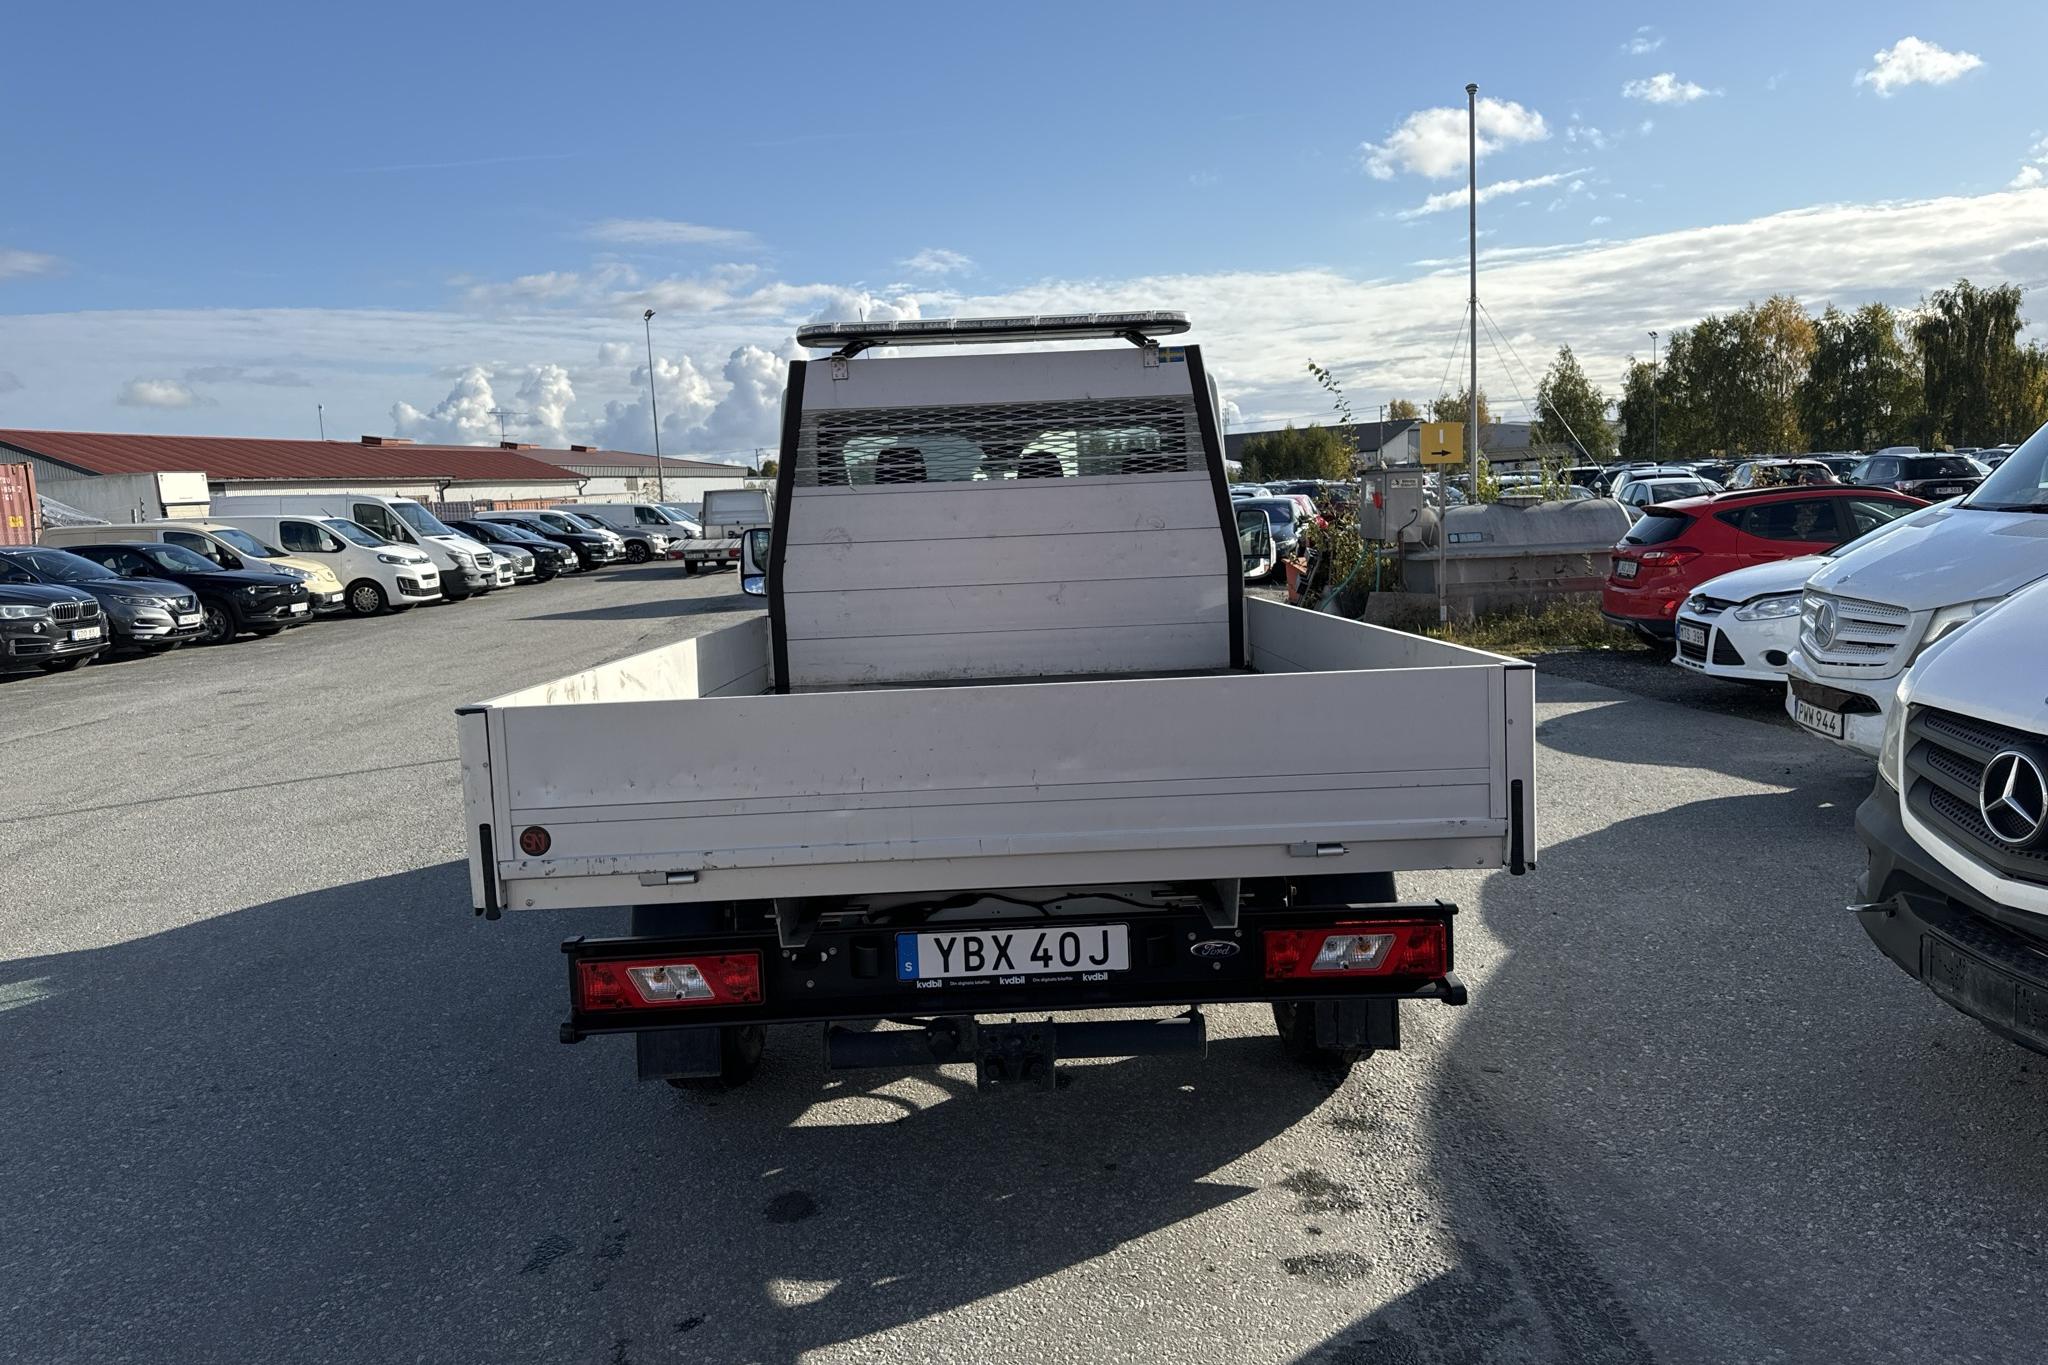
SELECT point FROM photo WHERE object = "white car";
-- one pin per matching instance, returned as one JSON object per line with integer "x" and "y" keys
{"x": 1867, "y": 616}
{"x": 1744, "y": 625}
{"x": 1638, "y": 492}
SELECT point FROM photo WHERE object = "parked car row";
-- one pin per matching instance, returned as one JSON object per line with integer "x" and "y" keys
{"x": 265, "y": 564}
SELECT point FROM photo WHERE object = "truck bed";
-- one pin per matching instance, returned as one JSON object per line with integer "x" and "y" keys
{"x": 675, "y": 776}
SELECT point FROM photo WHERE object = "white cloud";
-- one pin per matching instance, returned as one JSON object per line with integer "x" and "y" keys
{"x": 666, "y": 232}
{"x": 613, "y": 353}
{"x": 462, "y": 418}
{"x": 1664, "y": 88}
{"x": 1431, "y": 142}
{"x": 238, "y": 374}
{"x": 937, "y": 261}
{"x": 749, "y": 414}
{"x": 1644, "y": 41}
{"x": 1910, "y": 61}
{"x": 1599, "y": 218}
{"x": 546, "y": 396}
{"x": 16, "y": 264}
{"x": 1451, "y": 199}
{"x": 1586, "y": 133}
{"x": 159, "y": 393}
{"x": 1646, "y": 127}
{"x": 1386, "y": 337}
{"x": 2034, "y": 170}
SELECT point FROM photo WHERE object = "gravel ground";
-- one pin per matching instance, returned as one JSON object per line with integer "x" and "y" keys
{"x": 273, "y": 1093}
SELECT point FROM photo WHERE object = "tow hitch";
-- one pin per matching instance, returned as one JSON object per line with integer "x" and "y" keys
{"x": 1009, "y": 1055}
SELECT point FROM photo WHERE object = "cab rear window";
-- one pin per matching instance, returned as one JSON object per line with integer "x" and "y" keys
{"x": 1657, "y": 527}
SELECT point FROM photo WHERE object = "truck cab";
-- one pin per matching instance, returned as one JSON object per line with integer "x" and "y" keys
{"x": 984, "y": 753}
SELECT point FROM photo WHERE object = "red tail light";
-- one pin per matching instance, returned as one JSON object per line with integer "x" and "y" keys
{"x": 657, "y": 983}
{"x": 1668, "y": 559}
{"x": 1385, "y": 947}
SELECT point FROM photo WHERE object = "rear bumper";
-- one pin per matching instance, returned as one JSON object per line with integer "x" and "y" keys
{"x": 1662, "y": 629}
{"x": 850, "y": 974}
{"x": 1983, "y": 959}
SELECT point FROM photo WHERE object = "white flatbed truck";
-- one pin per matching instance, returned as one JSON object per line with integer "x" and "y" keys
{"x": 725, "y": 515}
{"x": 1010, "y": 740}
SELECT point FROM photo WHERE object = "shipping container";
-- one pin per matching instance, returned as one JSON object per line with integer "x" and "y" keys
{"x": 20, "y": 518}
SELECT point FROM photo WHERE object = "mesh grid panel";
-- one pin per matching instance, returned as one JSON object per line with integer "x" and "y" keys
{"x": 998, "y": 441}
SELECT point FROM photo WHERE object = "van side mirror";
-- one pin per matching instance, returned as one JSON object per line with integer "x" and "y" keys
{"x": 754, "y": 562}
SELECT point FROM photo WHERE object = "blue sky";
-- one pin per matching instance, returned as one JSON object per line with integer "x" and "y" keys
{"x": 220, "y": 217}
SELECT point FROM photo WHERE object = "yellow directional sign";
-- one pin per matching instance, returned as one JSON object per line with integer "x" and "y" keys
{"x": 1443, "y": 442}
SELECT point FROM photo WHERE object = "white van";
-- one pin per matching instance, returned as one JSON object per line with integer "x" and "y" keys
{"x": 1868, "y": 614}
{"x": 376, "y": 575}
{"x": 648, "y": 528}
{"x": 465, "y": 566}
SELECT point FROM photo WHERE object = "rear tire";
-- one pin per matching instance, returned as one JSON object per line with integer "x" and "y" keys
{"x": 1296, "y": 1025}
{"x": 217, "y": 622}
{"x": 637, "y": 552}
{"x": 739, "y": 1056}
{"x": 365, "y": 597}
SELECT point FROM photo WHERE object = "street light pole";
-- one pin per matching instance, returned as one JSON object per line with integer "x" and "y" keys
{"x": 1472, "y": 227}
{"x": 660, "y": 483}
{"x": 1653, "y": 397}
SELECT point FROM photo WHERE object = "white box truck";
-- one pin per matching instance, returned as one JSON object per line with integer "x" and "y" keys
{"x": 991, "y": 750}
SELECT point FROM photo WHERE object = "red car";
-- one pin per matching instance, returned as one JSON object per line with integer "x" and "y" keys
{"x": 1677, "y": 546}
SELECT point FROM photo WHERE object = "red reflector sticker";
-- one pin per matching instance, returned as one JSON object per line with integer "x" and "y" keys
{"x": 534, "y": 841}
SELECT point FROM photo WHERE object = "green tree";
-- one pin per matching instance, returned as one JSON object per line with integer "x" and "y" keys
{"x": 1571, "y": 411}
{"x": 1862, "y": 386}
{"x": 1785, "y": 336}
{"x": 1979, "y": 386}
{"x": 1641, "y": 433}
{"x": 1402, "y": 410}
{"x": 769, "y": 468}
{"x": 1311, "y": 452}
{"x": 1455, "y": 408}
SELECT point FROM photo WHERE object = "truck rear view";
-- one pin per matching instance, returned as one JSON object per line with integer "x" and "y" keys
{"x": 1011, "y": 740}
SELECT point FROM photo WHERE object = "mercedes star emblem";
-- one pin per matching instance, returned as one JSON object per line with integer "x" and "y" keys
{"x": 2013, "y": 797}
{"x": 1824, "y": 624}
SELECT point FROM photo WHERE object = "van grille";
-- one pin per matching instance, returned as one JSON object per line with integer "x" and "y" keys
{"x": 996, "y": 442}
{"x": 1867, "y": 637}
{"x": 1945, "y": 758}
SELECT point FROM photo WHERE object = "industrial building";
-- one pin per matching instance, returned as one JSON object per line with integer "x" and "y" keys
{"x": 120, "y": 477}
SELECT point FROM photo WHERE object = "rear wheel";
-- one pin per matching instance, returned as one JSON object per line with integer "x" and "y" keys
{"x": 1296, "y": 1025}
{"x": 690, "y": 567}
{"x": 366, "y": 598}
{"x": 637, "y": 552}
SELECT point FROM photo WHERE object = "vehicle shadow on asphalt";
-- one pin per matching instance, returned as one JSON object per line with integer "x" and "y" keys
{"x": 1659, "y": 734}
{"x": 344, "y": 1115}
{"x": 1693, "y": 1114}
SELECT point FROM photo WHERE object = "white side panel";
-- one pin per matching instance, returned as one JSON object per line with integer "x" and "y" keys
{"x": 729, "y": 661}
{"x": 1018, "y": 559}
{"x": 868, "y": 661}
{"x": 1285, "y": 639}
{"x": 893, "y": 613}
{"x": 473, "y": 745}
{"x": 887, "y": 514}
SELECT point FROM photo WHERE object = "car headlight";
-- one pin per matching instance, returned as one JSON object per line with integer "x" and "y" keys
{"x": 396, "y": 559}
{"x": 24, "y": 611}
{"x": 137, "y": 599}
{"x": 288, "y": 571}
{"x": 1891, "y": 753}
{"x": 1950, "y": 619}
{"x": 1769, "y": 608}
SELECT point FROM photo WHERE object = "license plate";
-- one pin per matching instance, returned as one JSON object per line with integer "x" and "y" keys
{"x": 1035, "y": 950}
{"x": 86, "y": 633}
{"x": 190, "y": 618}
{"x": 298, "y": 607}
{"x": 1625, "y": 568}
{"x": 1948, "y": 491}
{"x": 1692, "y": 635}
{"x": 1978, "y": 988}
{"x": 1818, "y": 720}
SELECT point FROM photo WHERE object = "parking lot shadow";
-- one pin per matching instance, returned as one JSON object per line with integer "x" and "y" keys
{"x": 1658, "y": 734}
{"x": 665, "y": 609}
{"x": 1691, "y": 1114}
{"x": 339, "y": 1124}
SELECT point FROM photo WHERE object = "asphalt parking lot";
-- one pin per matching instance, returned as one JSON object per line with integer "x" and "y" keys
{"x": 273, "y": 1093}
